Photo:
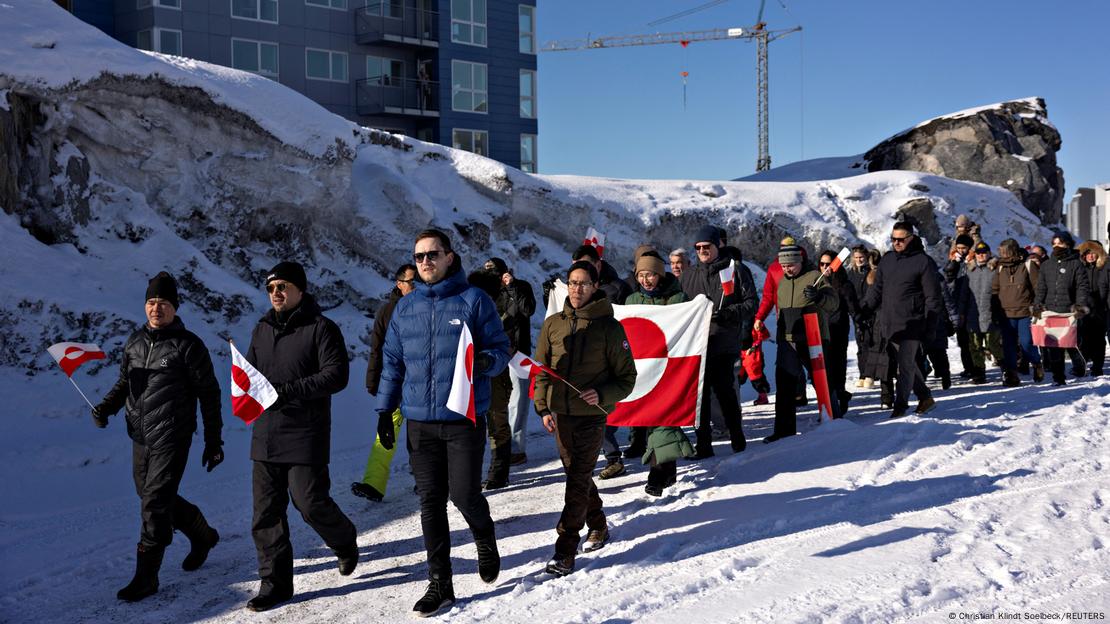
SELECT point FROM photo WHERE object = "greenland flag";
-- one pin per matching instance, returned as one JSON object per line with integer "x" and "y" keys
{"x": 461, "y": 398}
{"x": 525, "y": 367}
{"x": 1056, "y": 329}
{"x": 71, "y": 355}
{"x": 251, "y": 392}
{"x": 596, "y": 239}
{"x": 839, "y": 261}
{"x": 668, "y": 345}
{"x": 728, "y": 278}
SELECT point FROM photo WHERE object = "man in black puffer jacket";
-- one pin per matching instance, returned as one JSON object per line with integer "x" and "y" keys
{"x": 730, "y": 313}
{"x": 303, "y": 354}
{"x": 907, "y": 299}
{"x": 1062, "y": 287}
{"x": 164, "y": 372}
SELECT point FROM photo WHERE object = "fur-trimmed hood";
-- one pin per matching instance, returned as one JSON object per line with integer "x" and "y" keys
{"x": 1096, "y": 247}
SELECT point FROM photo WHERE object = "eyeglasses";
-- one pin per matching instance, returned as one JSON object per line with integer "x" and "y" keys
{"x": 276, "y": 287}
{"x": 704, "y": 247}
{"x": 824, "y": 264}
{"x": 431, "y": 256}
{"x": 579, "y": 285}
{"x": 898, "y": 239}
{"x": 645, "y": 274}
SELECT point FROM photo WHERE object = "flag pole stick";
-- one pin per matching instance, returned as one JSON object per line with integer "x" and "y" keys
{"x": 79, "y": 392}
{"x": 572, "y": 387}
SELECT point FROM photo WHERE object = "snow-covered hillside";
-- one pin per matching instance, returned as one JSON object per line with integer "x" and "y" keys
{"x": 130, "y": 162}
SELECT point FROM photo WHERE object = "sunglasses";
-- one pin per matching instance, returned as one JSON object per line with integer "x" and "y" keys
{"x": 704, "y": 247}
{"x": 408, "y": 281}
{"x": 824, "y": 264}
{"x": 431, "y": 256}
{"x": 278, "y": 287}
{"x": 898, "y": 239}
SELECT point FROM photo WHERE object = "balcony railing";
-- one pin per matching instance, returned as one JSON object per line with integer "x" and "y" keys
{"x": 385, "y": 95}
{"x": 390, "y": 21}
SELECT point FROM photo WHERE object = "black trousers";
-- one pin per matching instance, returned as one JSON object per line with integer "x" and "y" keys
{"x": 578, "y": 439}
{"x": 836, "y": 364}
{"x": 963, "y": 340}
{"x": 1092, "y": 342}
{"x": 719, "y": 379}
{"x": 446, "y": 460}
{"x": 309, "y": 486}
{"x": 497, "y": 422}
{"x": 790, "y": 374}
{"x": 904, "y": 352}
{"x": 157, "y": 476}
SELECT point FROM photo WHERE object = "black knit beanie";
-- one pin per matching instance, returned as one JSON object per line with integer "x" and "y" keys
{"x": 163, "y": 286}
{"x": 290, "y": 272}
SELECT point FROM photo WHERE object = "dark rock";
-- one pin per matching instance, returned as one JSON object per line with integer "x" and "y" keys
{"x": 1011, "y": 145}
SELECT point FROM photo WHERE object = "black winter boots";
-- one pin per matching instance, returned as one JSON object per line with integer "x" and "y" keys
{"x": 498, "y": 475}
{"x": 270, "y": 596}
{"x": 489, "y": 560}
{"x": 348, "y": 559}
{"x": 148, "y": 560}
{"x": 202, "y": 538}
{"x": 440, "y": 595}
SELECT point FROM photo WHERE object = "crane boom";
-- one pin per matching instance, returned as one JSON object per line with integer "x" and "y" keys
{"x": 758, "y": 32}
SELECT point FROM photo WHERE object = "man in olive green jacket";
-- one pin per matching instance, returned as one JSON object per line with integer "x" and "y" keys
{"x": 798, "y": 294}
{"x": 588, "y": 348}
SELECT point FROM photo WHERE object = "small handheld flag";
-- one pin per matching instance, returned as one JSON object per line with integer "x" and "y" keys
{"x": 597, "y": 240}
{"x": 461, "y": 398}
{"x": 251, "y": 392}
{"x": 71, "y": 355}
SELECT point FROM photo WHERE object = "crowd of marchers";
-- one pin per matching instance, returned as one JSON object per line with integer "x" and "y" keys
{"x": 903, "y": 305}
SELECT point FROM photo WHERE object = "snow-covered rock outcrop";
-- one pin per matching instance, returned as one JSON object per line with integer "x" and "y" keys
{"x": 1012, "y": 145}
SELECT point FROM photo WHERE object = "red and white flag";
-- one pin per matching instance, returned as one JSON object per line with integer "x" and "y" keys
{"x": 251, "y": 392}
{"x": 1056, "y": 329}
{"x": 461, "y": 398}
{"x": 839, "y": 261}
{"x": 668, "y": 345}
{"x": 71, "y": 355}
{"x": 728, "y": 278}
{"x": 597, "y": 240}
{"x": 525, "y": 367}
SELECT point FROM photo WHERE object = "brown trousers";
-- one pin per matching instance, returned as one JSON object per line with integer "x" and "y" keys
{"x": 578, "y": 439}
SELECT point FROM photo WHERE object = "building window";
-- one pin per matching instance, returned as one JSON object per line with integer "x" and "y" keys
{"x": 527, "y": 29}
{"x": 528, "y": 94}
{"x": 469, "y": 91}
{"x": 258, "y": 10}
{"x": 476, "y": 141}
{"x": 255, "y": 56}
{"x": 385, "y": 71}
{"x": 161, "y": 40}
{"x": 325, "y": 65}
{"x": 328, "y": 4}
{"x": 528, "y": 153}
{"x": 468, "y": 22}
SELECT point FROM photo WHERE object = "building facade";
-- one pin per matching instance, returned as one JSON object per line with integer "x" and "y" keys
{"x": 1088, "y": 215}
{"x": 456, "y": 72}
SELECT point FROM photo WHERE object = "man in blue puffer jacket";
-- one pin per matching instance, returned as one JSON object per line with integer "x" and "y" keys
{"x": 445, "y": 448}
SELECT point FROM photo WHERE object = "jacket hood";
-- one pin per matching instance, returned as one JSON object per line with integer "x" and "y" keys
{"x": 608, "y": 274}
{"x": 915, "y": 247}
{"x": 597, "y": 307}
{"x": 733, "y": 252}
{"x": 453, "y": 284}
{"x": 1096, "y": 247}
{"x": 302, "y": 314}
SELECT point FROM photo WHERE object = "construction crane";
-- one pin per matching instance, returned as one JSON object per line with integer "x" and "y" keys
{"x": 759, "y": 33}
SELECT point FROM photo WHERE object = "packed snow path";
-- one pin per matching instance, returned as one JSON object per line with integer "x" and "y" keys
{"x": 995, "y": 501}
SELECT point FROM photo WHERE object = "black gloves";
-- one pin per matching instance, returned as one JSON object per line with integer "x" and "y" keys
{"x": 812, "y": 294}
{"x": 386, "y": 435}
{"x": 100, "y": 419}
{"x": 212, "y": 456}
{"x": 1036, "y": 311}
{"x": 482, "y": 363}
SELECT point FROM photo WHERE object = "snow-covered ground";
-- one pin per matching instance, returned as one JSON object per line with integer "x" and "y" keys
{"x": 997, "y": 501}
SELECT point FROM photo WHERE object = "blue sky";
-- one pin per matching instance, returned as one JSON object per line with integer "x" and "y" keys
{"x": 867, "y": 69}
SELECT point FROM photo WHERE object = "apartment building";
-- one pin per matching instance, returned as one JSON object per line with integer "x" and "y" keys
{"x": 455, "y": 72}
